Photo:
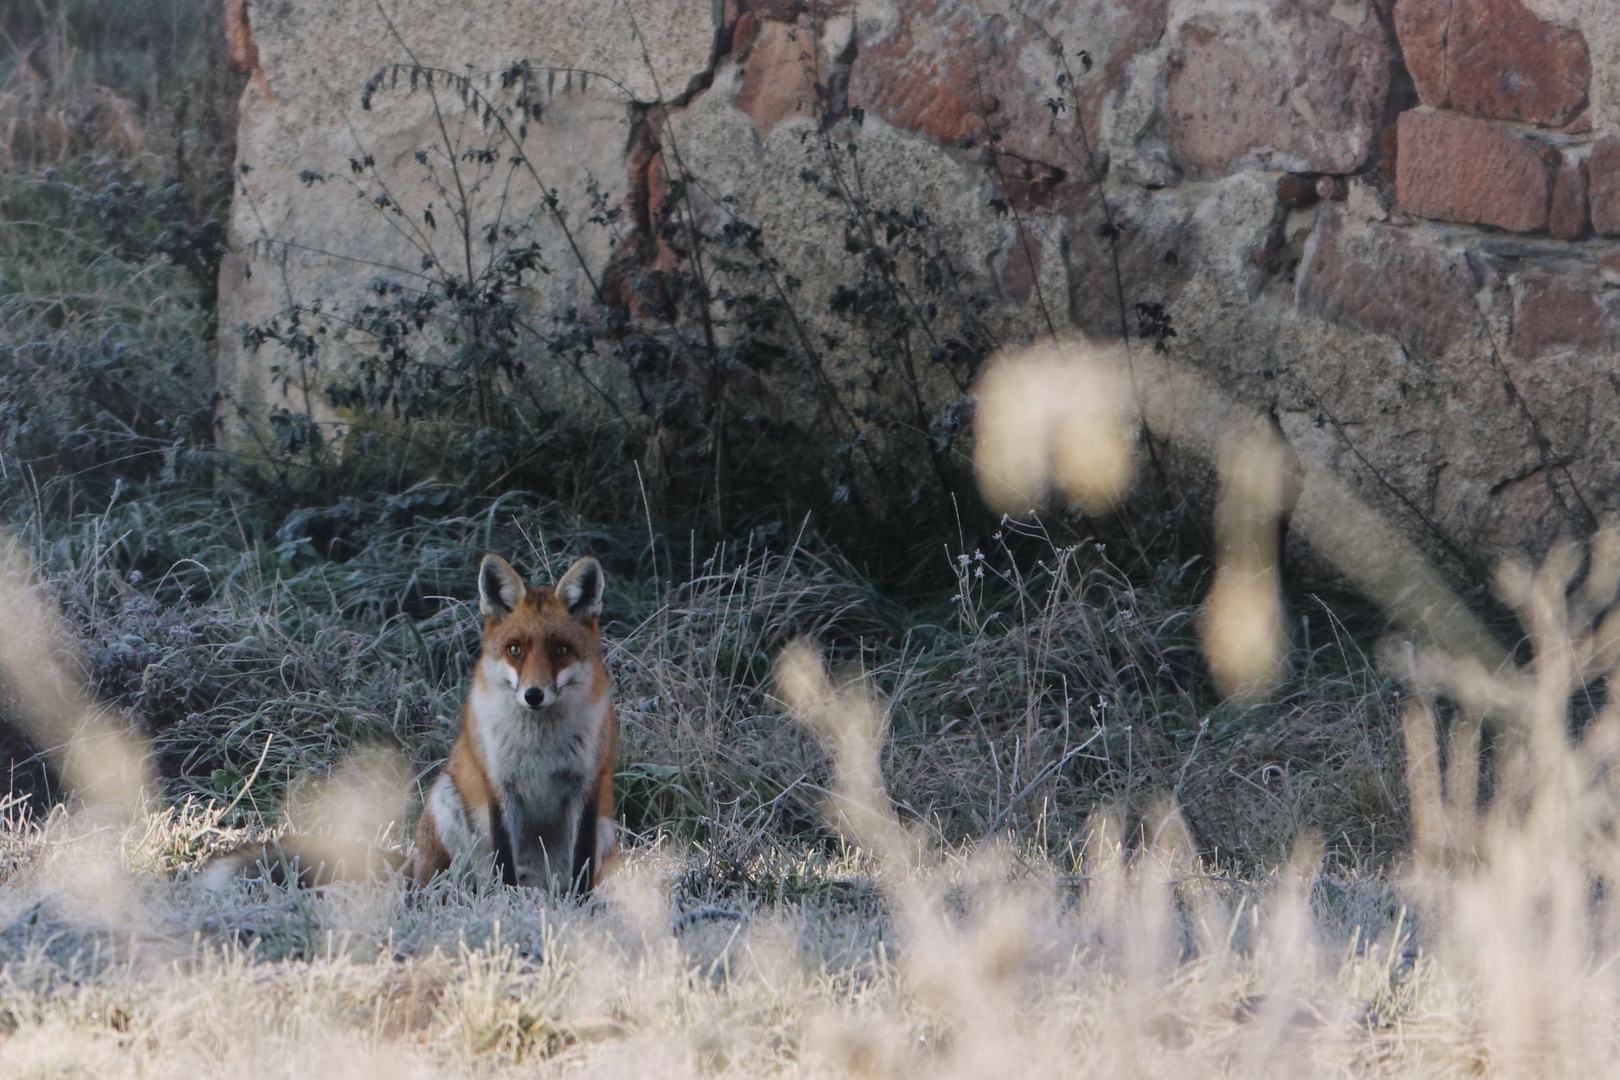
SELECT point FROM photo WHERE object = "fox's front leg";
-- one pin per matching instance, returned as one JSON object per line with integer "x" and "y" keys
{"x": 583, "y": 872}
{"x": 500, "y": 838}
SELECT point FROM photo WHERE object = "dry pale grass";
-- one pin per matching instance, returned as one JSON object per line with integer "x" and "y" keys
{"x": 967, "y": 966}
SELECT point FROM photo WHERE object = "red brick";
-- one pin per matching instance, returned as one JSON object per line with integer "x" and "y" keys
{"x": 1387, "y": 280}
{"x": 1547, "y": 314}
{"x": 1603, "y": 185}
{"x": 1507, "y": 64}
{"x": 1568, "y": 216}
{"x": 1420, "y": 26}
{"x": 1231, "y": 96}
{"x": 1494, "y": 59}
{"x": 942, "y": 68}
{"x": 946, "y": 69}
{"x": 1460, "y": 169}
{"x": 1220, "y": 106}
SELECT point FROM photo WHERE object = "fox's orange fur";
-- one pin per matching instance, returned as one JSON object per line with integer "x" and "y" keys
{"x": 528, "y": 789}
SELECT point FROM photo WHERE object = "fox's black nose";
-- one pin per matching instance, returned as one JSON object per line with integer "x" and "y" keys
{"x": 533, "y": 696}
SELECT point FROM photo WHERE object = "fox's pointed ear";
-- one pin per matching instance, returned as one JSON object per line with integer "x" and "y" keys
{"x": 580, "y": 590}
{"x": 499, "y": 587}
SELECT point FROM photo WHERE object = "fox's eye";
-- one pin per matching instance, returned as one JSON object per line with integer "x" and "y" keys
{"x": 559, "y": 650}
{"x": 515, "y": 649}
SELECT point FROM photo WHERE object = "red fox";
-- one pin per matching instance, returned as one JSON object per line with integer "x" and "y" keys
{"x": 528, "y": 788}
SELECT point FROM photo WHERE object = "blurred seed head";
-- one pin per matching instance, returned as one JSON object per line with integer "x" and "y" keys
{"x": 850, "y": 725}
{"x": 1055, "y": 418}
{"x": 1242, "y": 623}
{"x": 866, "y": 1050}
{"x": 1260, "y": 480}
{"x": 341, "y": 821}
{"x": 802, "y": 681}
{"x": 1603, "y": 572}
{"x": 1006, "y": 943}
{"x": 1515, "y": 582}
{"x": 365, "y": 794}
{"x": 1241, "y": 630}
{"x": 101, "y": 761}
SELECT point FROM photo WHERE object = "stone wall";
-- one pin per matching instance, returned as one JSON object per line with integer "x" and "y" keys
{"x": 1389, "y": 222}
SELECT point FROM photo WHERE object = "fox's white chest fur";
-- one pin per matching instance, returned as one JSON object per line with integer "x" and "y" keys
{"x": 539, "y": 762}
